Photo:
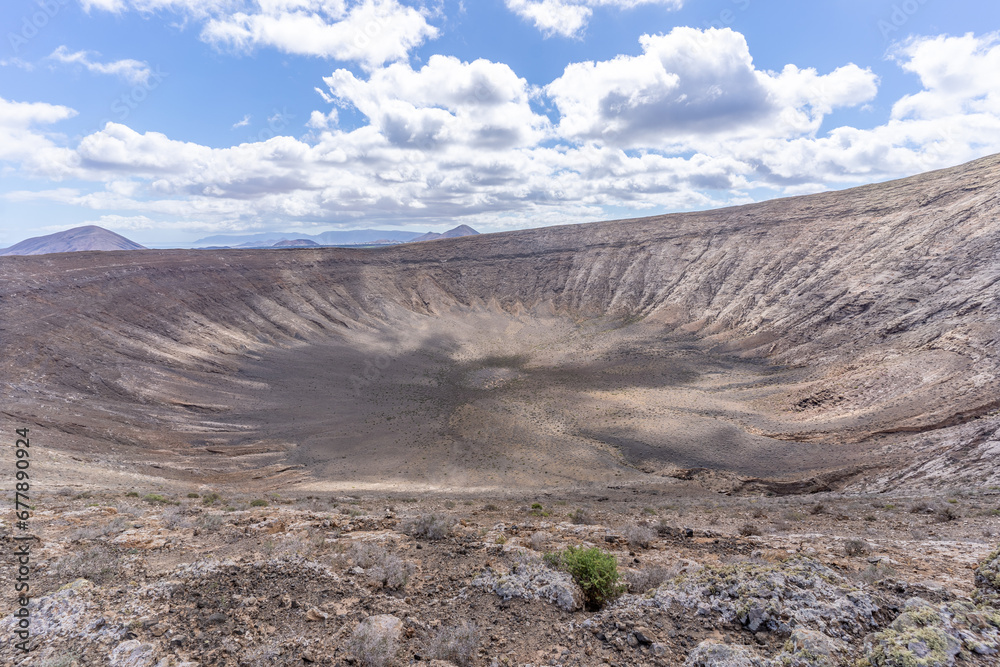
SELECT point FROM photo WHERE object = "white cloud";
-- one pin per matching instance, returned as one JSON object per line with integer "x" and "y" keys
{"x": 568, "y": 18}
{"x": 124, "y": 222}
{"x": 17, "y": 62}
{"x": 370, "y": 32}
{"x": 242, "y": 123}
{"x": 481, "y": 104}
{"x": 959, "y": 75}
{"x": 194, "y": 8}
{"x": 455, "y": 139}
{"x": 132, "y": 71}
{"x": 953, "y": 119}
{"x": 689, "y": 86}
{"x": 322, "y": 121}
{"x": 32, "y": 150}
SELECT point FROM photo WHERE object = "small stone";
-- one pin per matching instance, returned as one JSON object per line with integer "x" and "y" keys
{"x": 643, "y": 636}
{"x": 315, "y": 614}
{"x": 217, "y": 617}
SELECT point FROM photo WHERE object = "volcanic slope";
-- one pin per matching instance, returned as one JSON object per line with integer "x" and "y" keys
{"x": 844, "y": 339}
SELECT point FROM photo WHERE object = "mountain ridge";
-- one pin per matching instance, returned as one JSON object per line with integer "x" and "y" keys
{"x": 78, "y": 239}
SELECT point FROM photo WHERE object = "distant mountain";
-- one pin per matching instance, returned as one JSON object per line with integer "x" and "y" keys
{"x": 268, "y": 239}
{"x": 461, "y": 230}
{"x": 296, "y": 243}
{"x": 77, "y": 239}
{"x": 365, "y": 236}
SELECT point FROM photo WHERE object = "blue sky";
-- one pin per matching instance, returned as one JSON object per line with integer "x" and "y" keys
{"x": 170, "y": 120}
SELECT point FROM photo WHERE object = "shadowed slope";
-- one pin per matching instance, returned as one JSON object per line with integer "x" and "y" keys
{"x": 813, "y": 334}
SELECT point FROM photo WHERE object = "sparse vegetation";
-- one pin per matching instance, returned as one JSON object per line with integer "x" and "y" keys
{"x": 175, "y": 517}
{"x": 749, "y": 529}
{"x": 99, "y": 564}
{"x": 373, "y": 645}
{"x": 456, "y": 644}
{"x": 581, "y": 516}
{"x": 429, "y": 527}
{"x": 112, "y": 527}
{"x": 210, "y": 521}
{"x": 210, "y": 498}
{"x": 646, "y": 579}
{"x": 539, "y": 539}
{"x": 639, "y": 537}
{"x": 391, "y": 572}
{"x": 856, "y": 547}
{"x": 156, "y": 498}
{"x": 946, "y": 513}
{"x": 921, "y": 507}
{"x": 259, "y": 502}
{"x": 875, "y": 573}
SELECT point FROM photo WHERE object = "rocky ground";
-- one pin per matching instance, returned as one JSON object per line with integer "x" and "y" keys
{"x": 160, "y": 577}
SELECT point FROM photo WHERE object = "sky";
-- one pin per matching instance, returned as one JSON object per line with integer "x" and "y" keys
{"x": 171, "y": 120}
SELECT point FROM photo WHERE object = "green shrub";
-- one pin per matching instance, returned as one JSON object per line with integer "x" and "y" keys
{"x": 155, "y": 498}
{"x": 258, "y": 503}
{"x": 211, "y": 498}
{"x": 193, "y": 495}
{"x": 594, "y": 570}
{"x": 132, "y": 494}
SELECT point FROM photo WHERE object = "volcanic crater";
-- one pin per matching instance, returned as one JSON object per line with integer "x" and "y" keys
{"x": 837, "y": 340}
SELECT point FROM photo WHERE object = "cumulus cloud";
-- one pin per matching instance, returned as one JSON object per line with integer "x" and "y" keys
{"x": 132, "y": 71}
{"x": 370, "y": 32}
{"x": 322, "y": 121}
{"x": 481, "y": 104}
{"x": 455, "y": 139}
{"x": 22, "y": 143}
{"x": 568, "y": 18}
{"x": 958, "y": 75}
{"x": 691, "y": 84}
{"x": 953, "y": 119}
